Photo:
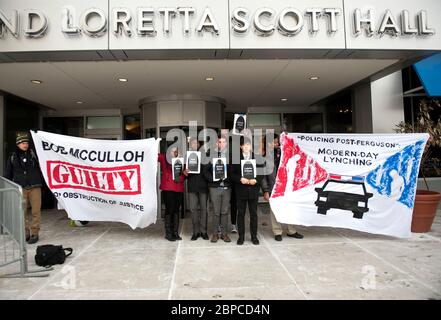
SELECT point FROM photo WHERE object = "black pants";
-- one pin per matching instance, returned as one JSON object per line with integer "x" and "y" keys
{"x": 233, "y": 206}
{"x": 172, "y": 202}
{"x": 241, "y": 207}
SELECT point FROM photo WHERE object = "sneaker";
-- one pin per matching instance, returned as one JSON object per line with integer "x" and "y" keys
{"x": 214, "y": 238}
{"x": 195, "y": 237}
{"x": 226, "y": 238}
{"x": 233, "y": 229}
{"x": 33, "y": 239}
{"x": 204, "y": 236}
{"x": 240, "y": 241}
{"x": 278, "y": 237}
{"x": 295, "y": 235}
{"x": 255, "y": 241}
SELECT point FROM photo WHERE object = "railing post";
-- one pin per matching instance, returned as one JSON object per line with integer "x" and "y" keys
{"x": 12, "y": 226}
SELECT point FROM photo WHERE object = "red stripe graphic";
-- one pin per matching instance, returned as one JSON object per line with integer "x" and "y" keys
{"x": 307, "y": 172}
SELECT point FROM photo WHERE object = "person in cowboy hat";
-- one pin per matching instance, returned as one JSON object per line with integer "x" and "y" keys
{"x": 22, "y": 168}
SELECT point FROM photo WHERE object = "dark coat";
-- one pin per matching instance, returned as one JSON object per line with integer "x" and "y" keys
{"x": 22, "y": 168}
{"x": 246, "y": 191}
{"x": 196, "y": 183}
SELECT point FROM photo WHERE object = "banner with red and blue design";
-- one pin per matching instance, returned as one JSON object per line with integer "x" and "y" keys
{"x": 363, "y": 182}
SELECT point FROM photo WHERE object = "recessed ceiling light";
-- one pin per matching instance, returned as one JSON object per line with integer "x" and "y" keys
{"x": 123, "y": 79}
{"x": 36, "y": 81}
{"x": 79, "y": 102}
{"x": 313, "y": 78}
{"x": 209, "y": 78}
{"x": 283, "y": 99}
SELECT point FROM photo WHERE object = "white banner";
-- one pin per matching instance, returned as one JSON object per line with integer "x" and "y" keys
{"x": 101, "y": 180}
{"x": 357, "y": 181}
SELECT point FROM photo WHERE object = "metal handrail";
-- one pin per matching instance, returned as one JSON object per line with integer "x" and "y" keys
{"x": 12, "y": 230}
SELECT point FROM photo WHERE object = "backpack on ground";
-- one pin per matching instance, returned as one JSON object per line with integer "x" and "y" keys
{"x": 48, "y": 255}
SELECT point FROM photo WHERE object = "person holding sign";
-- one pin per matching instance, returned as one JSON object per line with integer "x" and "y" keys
{"x": 216, "y": 173}
{"x": 197, "y": 188}
{"x": 247, "y": 185}
{"x": 172, "y": 187}
{"x": 22, "y": 167}
{"x": 268, "y": 185}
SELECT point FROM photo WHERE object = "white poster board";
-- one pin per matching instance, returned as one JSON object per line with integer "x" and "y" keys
{"x": 240, "y": 123}
{"x": 248, "y": 168}
{"x": 177, "y": 168}
{"x": 219, "y": 169}
{"x": 193, "y": 163}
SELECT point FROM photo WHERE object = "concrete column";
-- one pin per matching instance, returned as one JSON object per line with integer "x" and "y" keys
{"x": 378, "y": 106}
{"x": 362, "y": 109}
{"x": 387, "y": 103}
{"x": 178, "y": 110}
{"x": 2, "y": 135}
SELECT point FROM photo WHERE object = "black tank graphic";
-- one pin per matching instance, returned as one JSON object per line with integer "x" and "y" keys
{"x": 219, "y": 170}
{"x": 177, "y": 170}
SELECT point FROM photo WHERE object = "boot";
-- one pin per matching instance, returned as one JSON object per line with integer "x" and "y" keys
{"x": 33, "y": 239}
{"x": 168, "y": 228}
{"x": 176, "y": 226}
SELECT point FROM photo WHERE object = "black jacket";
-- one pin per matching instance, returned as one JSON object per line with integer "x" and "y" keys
{"x": 197, "y": 182}
{"x": 246, "y": 191}
{"x": 208, "y": 174}
{"x": 22, "y": 168}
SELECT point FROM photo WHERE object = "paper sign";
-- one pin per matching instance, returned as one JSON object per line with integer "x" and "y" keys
{"x": 177, "y": 167}
{"x": 240, "y": 123}
{"x": 248, "y": 168}
{"x": 219, "y": 169}
{"x": 193, "y": 162}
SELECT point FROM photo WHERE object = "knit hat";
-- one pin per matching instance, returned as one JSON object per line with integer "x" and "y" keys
{"x": 21, "y": 137}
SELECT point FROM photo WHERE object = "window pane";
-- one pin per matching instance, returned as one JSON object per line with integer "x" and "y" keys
{"x": 71, "y": 126}
{"x": 103, "y": 122}
{"x": 303, "y": 122}
{"x": 132, "y": 127}
{"x": 264, "y": 119}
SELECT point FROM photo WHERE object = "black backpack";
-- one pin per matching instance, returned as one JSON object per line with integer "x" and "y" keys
{"x": 48, "y": 255}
